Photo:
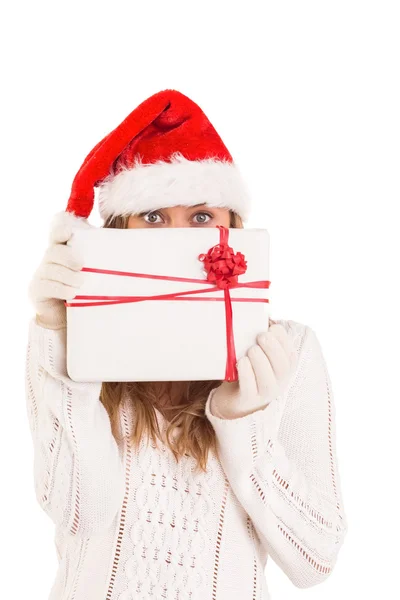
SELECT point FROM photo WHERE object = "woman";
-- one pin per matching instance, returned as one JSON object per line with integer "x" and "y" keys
{"x": 234, "y": 471}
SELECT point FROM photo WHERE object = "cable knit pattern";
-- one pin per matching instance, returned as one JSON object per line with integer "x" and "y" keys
{"x": 169, "y": 527}
{"x": 133, "y": 524}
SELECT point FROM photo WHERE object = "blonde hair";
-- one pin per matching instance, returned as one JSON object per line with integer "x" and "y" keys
{"x": 196, "y": 435}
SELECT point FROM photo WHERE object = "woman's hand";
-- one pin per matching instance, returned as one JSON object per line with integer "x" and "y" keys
{"x": 263, "y": 375}
{"x": 58, "y": 277}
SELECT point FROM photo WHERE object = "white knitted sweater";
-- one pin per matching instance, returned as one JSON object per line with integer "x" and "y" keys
{"x": 137, "y": 525}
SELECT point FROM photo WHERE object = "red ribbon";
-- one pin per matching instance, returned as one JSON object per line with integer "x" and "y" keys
{"x": 223, "y": 267}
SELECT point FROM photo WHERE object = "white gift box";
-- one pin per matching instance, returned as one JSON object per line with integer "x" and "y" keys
{"x": 161, "y": 340}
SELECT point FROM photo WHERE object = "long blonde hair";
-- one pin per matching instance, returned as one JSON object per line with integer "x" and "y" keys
{"x": 195, "y": 436}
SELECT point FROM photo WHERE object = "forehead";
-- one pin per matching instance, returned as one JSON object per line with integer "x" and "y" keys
{"x": 180, "y": 207}
{"x": 183, "y": 207}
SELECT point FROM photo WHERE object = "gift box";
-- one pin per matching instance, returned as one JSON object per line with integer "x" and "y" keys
{"x": 167, "y": 304}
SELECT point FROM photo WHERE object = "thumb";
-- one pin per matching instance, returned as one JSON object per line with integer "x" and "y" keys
{"x": 63, "y": 224}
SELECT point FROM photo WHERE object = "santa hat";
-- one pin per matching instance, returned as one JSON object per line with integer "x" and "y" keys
{"x": 165, "y": 153}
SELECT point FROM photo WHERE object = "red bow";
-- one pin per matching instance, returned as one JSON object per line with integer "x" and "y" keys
{"x": 222, "y": 264}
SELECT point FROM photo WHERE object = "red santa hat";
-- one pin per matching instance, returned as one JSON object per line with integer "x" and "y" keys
{"x": 165, "y": 153}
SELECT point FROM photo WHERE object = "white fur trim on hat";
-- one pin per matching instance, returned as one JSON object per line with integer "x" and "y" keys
{"x": 180, "y": 182}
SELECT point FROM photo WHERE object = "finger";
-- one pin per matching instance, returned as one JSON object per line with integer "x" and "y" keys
{"x": 264, "y": 374}
{"x": 287, "y": 342}
{"x": 277, "y": 355}
{"x": 61, "y": 274}
{"x": 283, "y": 337}
{"x": 63, "y": 225}
{"x": 48, "y": 289}
{"x": 247, "y": 379}
{"x": 61, "y": 229}
{"x": 64, "y": 255}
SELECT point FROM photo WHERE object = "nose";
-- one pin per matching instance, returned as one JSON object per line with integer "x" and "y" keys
{"x": 178, "y": 221}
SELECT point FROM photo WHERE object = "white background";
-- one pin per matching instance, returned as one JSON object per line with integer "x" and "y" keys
{"x": 305, "y": 95}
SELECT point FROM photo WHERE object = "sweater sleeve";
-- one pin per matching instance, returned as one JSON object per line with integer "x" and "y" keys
{"x": 78, "y": 470}
{"x": 282, "y": 465}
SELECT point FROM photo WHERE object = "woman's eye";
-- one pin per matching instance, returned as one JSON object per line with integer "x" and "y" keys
{"x": 152, "y": 217}
{"x": 202, "y": 217}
